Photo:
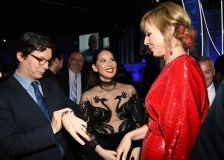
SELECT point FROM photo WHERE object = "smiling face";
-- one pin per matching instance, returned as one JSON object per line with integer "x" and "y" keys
{"x": 106, "y": 66}
{"x": 30, "y": 68}
{"x": 154, "y": 39}
{"x": 208, "y": 71}
{"x": 76, "y": 62}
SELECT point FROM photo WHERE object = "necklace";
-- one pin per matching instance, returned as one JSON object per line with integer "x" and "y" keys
{"x": 104, "y": 88}
{"x": 105, "y": 85}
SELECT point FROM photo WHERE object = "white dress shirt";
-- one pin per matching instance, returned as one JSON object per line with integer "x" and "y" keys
{"x": 211, "y": 93}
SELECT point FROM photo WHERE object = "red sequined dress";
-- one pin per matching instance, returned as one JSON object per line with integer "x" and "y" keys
{"x": 177, "y": 104}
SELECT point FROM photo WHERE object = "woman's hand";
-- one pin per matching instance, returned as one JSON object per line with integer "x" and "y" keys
{"x": 76, "y": 127}
{"x": 106, "y": 154}
{"x": 124, "y": 147}
{"x": 135, "y": 153}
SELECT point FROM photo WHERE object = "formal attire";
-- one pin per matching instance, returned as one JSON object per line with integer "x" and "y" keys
{"x": 48, "y": 73}
{"x": 25, "y": 131}
{"x": 211, "y": 93}
{"x": 66, "y": 79}
{"x": 177, "y": 103}
{"x": 210, "y": 141}
{"x": 132, "y": 112}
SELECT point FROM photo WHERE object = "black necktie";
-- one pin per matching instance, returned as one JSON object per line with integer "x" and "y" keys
{"x": 42, "y": 104}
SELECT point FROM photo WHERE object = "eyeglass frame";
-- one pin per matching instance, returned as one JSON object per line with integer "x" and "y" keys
{"x": 77, "y": 60}
{"x": 42, "y": 59}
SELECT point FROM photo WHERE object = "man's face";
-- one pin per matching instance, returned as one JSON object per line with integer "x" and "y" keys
{"x": 34, "y": 65}
{"x": 76, "y": 62}
{"x": 92, "y": 43}
{"x": 208, "y": 71}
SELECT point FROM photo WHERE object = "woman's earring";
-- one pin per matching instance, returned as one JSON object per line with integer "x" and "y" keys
{"x": 170, "y": 45}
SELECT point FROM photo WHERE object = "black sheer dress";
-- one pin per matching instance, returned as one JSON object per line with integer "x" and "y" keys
{"x": 109, "y": 121}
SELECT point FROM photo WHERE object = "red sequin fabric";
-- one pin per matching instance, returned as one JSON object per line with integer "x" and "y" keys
{"x": 177, "y": 104}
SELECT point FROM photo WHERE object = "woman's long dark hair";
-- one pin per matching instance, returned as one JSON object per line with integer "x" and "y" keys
{"x": 94, "y": 78}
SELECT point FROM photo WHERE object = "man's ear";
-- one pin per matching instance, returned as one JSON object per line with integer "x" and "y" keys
{"x": 56, "y": 61}
{"x": 94, "y": 68}
{"x": 19, "y": 56}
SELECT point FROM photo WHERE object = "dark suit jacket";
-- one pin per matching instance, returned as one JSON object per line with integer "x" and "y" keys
{"x": 48, "y": 73}
{"x": 63, "y": 80}
{"x": 210, "y": 141}
{"x": 25, "y": 132}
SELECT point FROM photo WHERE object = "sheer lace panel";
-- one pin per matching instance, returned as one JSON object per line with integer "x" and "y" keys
{"x": 120, "y": 113}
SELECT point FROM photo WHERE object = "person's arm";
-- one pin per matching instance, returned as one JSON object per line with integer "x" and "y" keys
{"x": 139, "y": 117}
{"x": 105, "y": 154}
{"x": 181, "y": 120}
{"x": 71, "y": 121}
{"x": 16, "y": 136}
{"x": 93, "y": 144}
{"x": 74, "y": 125}
{"x": 125, "y": 143}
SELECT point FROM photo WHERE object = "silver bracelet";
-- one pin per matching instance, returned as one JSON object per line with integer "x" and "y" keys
{"x": 66, "y": 112}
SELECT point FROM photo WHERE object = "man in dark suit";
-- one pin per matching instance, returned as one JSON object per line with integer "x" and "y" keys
{"x": 66, "y": 77}
{"x": 34, "y": 111}
{"x": 209, "y": 143}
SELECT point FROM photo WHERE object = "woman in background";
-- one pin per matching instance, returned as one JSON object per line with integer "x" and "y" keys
{"x": 111, "y": 109}
{"x": 177, "y": 101}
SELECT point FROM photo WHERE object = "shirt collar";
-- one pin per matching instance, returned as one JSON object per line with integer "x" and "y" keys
{"x": 23, "y": 81}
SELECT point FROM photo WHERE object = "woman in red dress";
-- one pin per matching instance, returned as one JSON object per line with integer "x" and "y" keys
{"x": 177, "y": 102}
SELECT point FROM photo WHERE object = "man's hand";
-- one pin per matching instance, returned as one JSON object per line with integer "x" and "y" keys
{"x": 56, "y": 120}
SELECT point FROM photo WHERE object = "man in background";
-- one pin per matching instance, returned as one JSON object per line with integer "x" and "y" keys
{"x": 71, "y": 75}
{"x": 207, "y": 67}
{"x": 68, "y": 74}
{"x": 88, "y": 54}
{"x": 56, "y": 64}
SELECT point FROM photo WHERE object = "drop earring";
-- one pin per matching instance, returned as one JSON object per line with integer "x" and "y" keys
{"x": 170, "y": 45}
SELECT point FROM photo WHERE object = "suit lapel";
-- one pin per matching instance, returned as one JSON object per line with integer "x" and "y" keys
{"x": 25, "y": 97}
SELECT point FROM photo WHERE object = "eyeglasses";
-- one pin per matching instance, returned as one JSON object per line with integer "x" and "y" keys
{"x": 42, "y": 61}
{"x": 77, "y": 60}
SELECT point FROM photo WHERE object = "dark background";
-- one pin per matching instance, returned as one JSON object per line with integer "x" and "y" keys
{"x": 67, "y": 19}
{"x": 109, "y": 17}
